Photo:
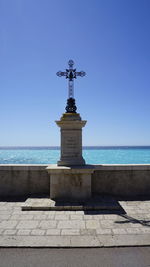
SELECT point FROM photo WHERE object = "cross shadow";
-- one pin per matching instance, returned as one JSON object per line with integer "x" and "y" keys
{"x": 99, "y": 212}
{"x": 130, "y": 219}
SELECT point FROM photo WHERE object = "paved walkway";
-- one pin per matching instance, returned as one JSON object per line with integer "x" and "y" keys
{"x": 74, "y": 228}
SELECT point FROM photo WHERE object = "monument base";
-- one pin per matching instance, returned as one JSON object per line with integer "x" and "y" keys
{"x": 70, "y": 183}
{"x": 104, "y": 203}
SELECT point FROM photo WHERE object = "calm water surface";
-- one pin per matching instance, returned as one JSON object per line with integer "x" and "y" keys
{"x": 92, "y": 155}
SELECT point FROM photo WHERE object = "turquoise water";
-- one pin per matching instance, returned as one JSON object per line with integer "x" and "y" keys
{"x": 92, "y": 155}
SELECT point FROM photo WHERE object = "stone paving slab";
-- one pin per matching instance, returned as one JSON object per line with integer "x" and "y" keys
{"x": 81, "y": 228}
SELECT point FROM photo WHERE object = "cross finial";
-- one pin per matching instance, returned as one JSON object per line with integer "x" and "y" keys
{"x": 71, "y": 74}
{"x": 70, "y": 63}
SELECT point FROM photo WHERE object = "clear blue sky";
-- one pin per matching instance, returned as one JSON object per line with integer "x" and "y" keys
{"x": 109, "y": 39}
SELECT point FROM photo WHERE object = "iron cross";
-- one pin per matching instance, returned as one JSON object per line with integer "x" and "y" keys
{"x": 70, "y": 74}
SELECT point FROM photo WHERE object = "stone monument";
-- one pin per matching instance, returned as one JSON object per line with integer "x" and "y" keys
{"x": 71, "y": 124}
{"x": 71, "y": 177}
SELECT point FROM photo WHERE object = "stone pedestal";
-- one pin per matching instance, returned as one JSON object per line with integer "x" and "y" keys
{"x": 70, "y": 179}
{"x": 70, "y": 183}
{"x": 71, "y": 139}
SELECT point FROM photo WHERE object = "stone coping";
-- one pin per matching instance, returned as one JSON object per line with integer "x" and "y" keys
{"x": 23, "y": 167}
{"x": 72, "y": 169}
{"x": 96, "y": 167}
{"x": 122, "y": 167}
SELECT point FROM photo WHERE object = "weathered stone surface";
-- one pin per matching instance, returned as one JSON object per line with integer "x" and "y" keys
{"x": 10, "y": 232}
{"x": 53, "y": 232}
{"x": 62, "y": 217}
{"x": 106, "y": 231}
{"x": 77, "y": 228}
{"x": 70, "y": 183}
{"x": 76, "y": 217}
{"x": 38, "y": 204}
{"x": 31, "y": 224}
{"x": 21, "y": 180}
{"x": 119, "y": 231}
{"x": 70, "y": 232}
{"x": 46, "y": 224}
{"x": 120, "y": 180}
{"x": 21, "y": 217}
{"x": 37, "y": 232}
{"x": 71, "y": 139}
{"x": 24, "y": 232}
{"x": 92, "y": 224}
{"x": 8, "y": 224}
{"x": 73, "y": 224}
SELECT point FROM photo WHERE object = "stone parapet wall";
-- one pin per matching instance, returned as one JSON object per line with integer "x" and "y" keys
{"x": 120, "y": 180}
{"x": 23, "y": 180}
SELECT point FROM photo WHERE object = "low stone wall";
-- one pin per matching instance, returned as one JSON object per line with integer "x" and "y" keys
{"x": 23, "y": 180}
{"x": 119, "y": 180}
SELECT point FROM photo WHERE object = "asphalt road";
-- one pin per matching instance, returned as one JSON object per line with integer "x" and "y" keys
{"x": 105, "y": 257}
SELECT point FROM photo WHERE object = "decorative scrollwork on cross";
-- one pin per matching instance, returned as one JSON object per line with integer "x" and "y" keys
{"x": 71, "y": 74}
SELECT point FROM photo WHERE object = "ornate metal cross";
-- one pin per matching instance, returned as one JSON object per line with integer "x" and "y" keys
{"x": 70, "y": 74}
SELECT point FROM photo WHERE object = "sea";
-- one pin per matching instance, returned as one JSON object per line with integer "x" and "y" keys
{"x": 91, "y": 154}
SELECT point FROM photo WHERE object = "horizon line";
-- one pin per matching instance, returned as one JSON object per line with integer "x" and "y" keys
{"x": 47, "y": 146}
